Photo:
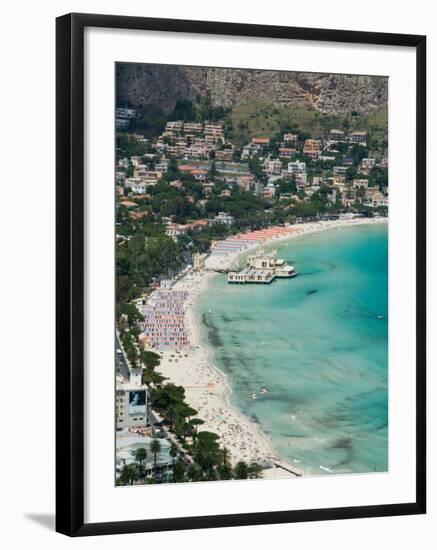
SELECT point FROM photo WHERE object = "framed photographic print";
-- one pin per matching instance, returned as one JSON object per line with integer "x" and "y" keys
{"x": 240, "y": 274}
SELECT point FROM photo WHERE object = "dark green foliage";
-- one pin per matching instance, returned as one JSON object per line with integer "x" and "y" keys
{"x": 141, "y": 259}
{"x": 129, "y": 474}
{"x": 254, "y": 471}
{"x": 357, "y": 153}
{"x": 224, "y": 471}
{"x": 174, "y": 451}
{"x": 152, "y": 378}
{"x": 255, "y": 167}
{"x": 241, "y": 470}
{"x": 195, "y": 473}
{"x": 286, "y": 186}
{"x": 151, "y": 121}
{"x": 149, "y": 359}
{"x": 168, "y": 395}
{"x": 179, "y": 471}
{"x": 173, "y": 170}
{"x": 184, "y": 110}
{"x": 140, "y": 456}
{"x": 128, "y": 146}
{"x": 379, "y": 177}
{"x": 155, "y": 448}
{"x": 207, "y": 451}
{"x": 212, "y": 171}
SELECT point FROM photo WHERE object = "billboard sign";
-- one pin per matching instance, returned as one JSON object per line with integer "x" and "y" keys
{"x": 137, "y": 402}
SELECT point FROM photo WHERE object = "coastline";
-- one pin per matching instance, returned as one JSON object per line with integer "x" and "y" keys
{"x": 231, "y": 261}
{"x": 206, "y": 387}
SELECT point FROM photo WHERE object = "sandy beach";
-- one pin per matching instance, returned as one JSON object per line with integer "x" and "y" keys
{"x": 231, "y": 260}
{"x": 206, "y": 387}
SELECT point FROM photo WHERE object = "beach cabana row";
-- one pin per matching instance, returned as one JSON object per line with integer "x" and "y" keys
{"x": 164, "y": 320}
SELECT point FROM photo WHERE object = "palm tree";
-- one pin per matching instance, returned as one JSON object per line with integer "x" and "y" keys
{"x": 170, "y": 414}
{"x": 195, "y": 422}
{"x": 255, "y": 471}
{"x": 241, "y": 471}
{"x": 187, "y": 430}
{"x": 195, "y": 472}
{"x": 224, "y": 471}
{"x": 179, "y": 470}
{"x": 155, "y": 447}
{"x": 179, "y": 429}
{"x": 225, "y": 453}
{"x": 124, "y": 475}
{"x": 174, "y": 451}
{"x": 129, "y": 474}
{"x": 140, "y": 456}
{"x": 211, "y": 475}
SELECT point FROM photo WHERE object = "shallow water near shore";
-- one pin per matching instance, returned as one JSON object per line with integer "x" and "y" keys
{"x": 317, "y": 343}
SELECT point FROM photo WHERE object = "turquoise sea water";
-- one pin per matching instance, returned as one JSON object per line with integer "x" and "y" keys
{"x": 318, "y": 344}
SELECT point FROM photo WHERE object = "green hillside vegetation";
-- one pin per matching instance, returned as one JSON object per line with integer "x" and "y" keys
{"x": 376, "y": 123}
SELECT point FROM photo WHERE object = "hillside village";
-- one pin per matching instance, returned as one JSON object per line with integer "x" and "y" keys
{"x": 295, "y": 178}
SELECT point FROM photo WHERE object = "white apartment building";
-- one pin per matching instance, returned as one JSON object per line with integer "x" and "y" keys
{"x": 358, "y": 137}
{"x": 340, "y": 170}
{"x": 250, "y": 150}
{"x": 361, "y": 183}
{"x": 136, "y": 184}
{"x": 272, "y": 167}
{"x": 297, "y": 167}
{"x": 174, "y": 126}
{"x": 121, "y": 123}
{"x": 290, "y": 138}
{"x": 301, "y": 180}
{"x": 225, "y": 218}
{"x": 161, "y": 166}
{"x": 336, "y": 136}
{"x": 173, "y": 230}
{"x": 213, "y": 132}
{"x": 195, "y": 127}
{"x": 377, "y": 199}
{"x": 367, "y": 164}
{"x": 122, "y": 112}
{"x": 131, "y": 399}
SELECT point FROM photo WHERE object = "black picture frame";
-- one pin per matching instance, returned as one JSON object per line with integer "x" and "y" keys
{"x": 70, "y": 273}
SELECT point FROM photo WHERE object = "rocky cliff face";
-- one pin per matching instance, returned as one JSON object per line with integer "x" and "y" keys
{"x": 163, "y": 85}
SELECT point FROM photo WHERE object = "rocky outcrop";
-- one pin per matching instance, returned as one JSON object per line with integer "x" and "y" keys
{"x": 164, "y": 85}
